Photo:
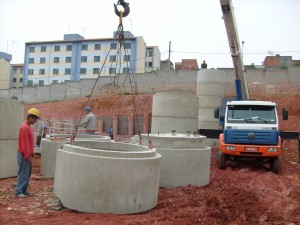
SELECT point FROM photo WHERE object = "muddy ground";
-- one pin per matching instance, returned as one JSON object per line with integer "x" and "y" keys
{"x": 240, "y": 194}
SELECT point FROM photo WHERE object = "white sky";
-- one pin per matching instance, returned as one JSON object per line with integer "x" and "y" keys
{"x": 194, "y": 27}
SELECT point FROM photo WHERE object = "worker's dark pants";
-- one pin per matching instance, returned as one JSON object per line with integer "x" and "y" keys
{"x": 23, "y": 174}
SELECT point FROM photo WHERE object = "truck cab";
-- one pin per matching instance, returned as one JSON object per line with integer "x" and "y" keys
{"x": 251, "y": 132}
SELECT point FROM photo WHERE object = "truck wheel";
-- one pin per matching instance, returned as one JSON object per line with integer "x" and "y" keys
{"x": 275, "y": 164}
{"x": 222, "y": 161}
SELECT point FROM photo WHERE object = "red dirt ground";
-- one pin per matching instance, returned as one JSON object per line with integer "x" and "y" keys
{"x": 240, "y": 194}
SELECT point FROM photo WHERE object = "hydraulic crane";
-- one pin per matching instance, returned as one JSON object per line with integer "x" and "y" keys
{"x": 234, "y": 44}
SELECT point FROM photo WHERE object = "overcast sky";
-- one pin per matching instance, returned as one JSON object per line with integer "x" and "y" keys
{"x": 194, "y": 27}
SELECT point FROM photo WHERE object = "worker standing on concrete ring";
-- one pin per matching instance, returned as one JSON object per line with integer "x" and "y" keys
{"x": 89, "y": 122}
{"x": 25, "y": 152}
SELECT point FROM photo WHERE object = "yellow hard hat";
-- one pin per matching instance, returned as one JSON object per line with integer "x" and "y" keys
{"x": 34, "y": 111}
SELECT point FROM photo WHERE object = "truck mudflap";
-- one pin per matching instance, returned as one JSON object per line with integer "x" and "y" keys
{"x": 245, "y": 150}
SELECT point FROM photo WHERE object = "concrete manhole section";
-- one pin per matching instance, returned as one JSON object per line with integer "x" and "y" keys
{"x": 185, "y": 158}
{"x": 107, "y": 177}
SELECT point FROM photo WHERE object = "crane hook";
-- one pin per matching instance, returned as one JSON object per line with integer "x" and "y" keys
{"x": 125, "y": 6}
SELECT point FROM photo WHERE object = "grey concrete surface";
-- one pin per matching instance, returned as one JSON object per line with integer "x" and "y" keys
{"x": 11, "y": 117}
{"x": 268, "y": 78}
{"x": 210, "y": 91}
{"x": 107, "y": 177}
{"x": 185, "y": 159}
{"x": 174, "y": 111}
{"x": 8, "y": 158}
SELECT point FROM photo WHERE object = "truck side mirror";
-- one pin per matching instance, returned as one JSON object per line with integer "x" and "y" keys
{"x": 216, "y": 113}
{"x": 285, "y": 114}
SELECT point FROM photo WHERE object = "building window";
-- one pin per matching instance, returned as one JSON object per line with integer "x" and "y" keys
{"x": 32, "y": 49}
{"x": 84, "y": 47}
{"x": 42, "y": 72}
{"x": 69, "y": 47}
{"x": 43, "y": 60}
{"x": 126, "y": 58}
{"x": 14, "y": 80}
{"x": 55, "y": 82}
{"x": 112, "y": 58}
{"x": 127, "y": 45}
{"x": 82, "y": 70}
{"x": 56, "y": 48}
{"x": 31, "y": 60}
{"x": 113, "y": 45}
{"x": 21, "y": 80}
{"x": 150, "y": 52}
{"x": 68, "y": 59}
{"x": 97, "y": 46}
{"x": 56, "y": 60}
{"x": 21, "y": 70}
{"x": 96, "y": 58}
{"x": 43, "y": 48}
{"x": 67, "y": 71}
{"x": 15, "y": 71}
{"x": 29, "y": 83}
{"x": 41, "y": 82}
{"x": 55, "y": 71}
{"x": 30, "y": 71}
{"x": 112, "y": 70}
{"x": 149, "y": 64}
{"x": 83, "y": 58}
{"x": 125, "y": 70}
{"x": 96, "y": 70}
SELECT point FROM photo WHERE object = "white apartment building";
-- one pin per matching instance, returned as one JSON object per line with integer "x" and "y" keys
{"x": 17, "y": 75}
{"x": 76, "y": 58}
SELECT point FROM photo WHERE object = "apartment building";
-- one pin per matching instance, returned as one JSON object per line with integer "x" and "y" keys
{"x": 75, "y": 58}
{"x": 17, "y": 75}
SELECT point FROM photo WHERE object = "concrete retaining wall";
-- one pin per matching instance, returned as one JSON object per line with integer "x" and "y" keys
{"x": 107, "y": 177}
{"x": 262, "y": 82}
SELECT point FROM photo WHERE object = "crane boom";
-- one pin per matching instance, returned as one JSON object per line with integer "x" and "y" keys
{"x": 234, "y": 45}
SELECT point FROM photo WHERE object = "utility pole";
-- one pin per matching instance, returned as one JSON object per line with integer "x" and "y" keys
{"x": 169, "y": 55}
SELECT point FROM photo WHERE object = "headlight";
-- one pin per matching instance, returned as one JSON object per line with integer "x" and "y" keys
{"x": 272, "y": 149}
{"x": 230, "y": 147}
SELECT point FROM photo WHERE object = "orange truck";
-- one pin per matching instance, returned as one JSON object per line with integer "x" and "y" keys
{"x": 251, "y": 132}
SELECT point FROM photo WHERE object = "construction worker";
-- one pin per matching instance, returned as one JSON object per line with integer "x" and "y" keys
{"x": 111, "y": 133}
{"x": 204, "y": 65}
{"x": 89, "y": 122}
{"x": 25, "y": 152}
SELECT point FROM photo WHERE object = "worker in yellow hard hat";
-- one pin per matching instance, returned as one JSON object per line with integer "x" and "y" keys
{"x": 25, "y": 152}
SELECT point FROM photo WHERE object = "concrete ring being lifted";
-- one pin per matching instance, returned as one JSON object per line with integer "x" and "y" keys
{"x": 50, "y": 146}
{"x": 107, "y": 177}
{"x": 185, "y": 158}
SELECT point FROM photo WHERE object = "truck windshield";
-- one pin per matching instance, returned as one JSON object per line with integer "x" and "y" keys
{"x": 260, "y": 114}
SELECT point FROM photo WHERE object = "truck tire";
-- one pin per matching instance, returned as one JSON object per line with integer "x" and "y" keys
{"x": 275, "y": 164}
{"x": 222, "y": 161}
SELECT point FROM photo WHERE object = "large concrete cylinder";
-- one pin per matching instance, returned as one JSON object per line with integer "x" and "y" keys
{"x": 174, "y": 111}
{"x": 210, "y": 91}
{"x": 11, "y": 117}
{"x": 107, "y": 177}
{"x": 50, "y": 146}
{"x": 185, "y": 158}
